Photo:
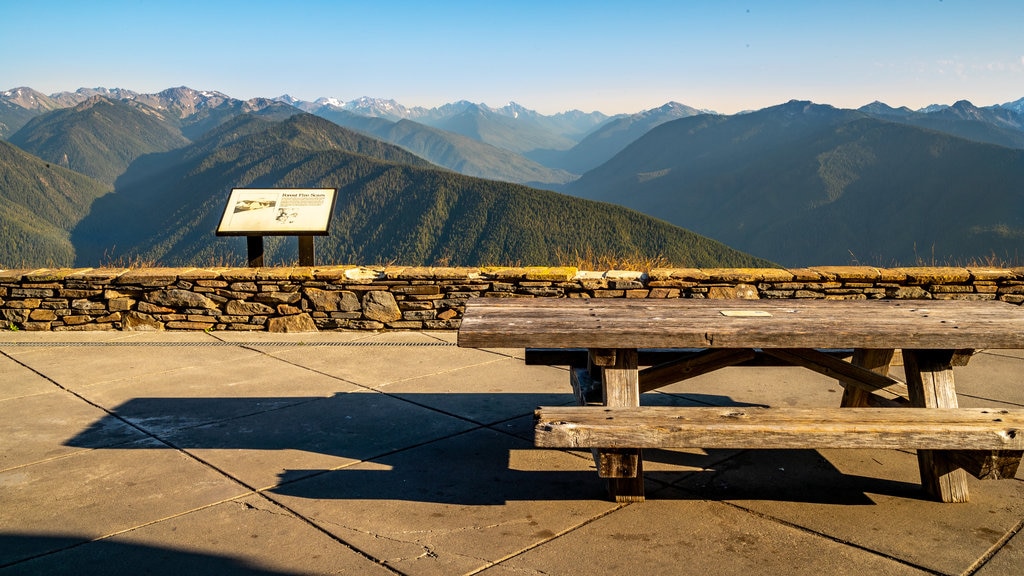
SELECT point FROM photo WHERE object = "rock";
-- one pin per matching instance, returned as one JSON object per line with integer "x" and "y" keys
{"x": 447, "y": 314}
{"x": 911, "y": 293}
{"x": 88, "y": 305}
{"x": 381, "y": 306}
{"x": 275, "y": 298}
{"x": 296, "y": 323}
{"x": 136, "y": 321}
{"x": 240, "y": 308}
{"x": 120, "y": 304}
{"x": 15, "y": 316}
{"x": 332, "y": 300}
{"x": 188, "y": 325}
{"x": 176, "y": 298}
{"x": 365, "y": 325}
{"x": 148, "y": 308}
{"x": 43, "y": 315}
{"x": 739, "y": 291}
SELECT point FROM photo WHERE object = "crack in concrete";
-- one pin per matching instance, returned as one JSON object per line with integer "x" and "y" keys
{"x": 429, "y": 551}
{"x": 271, "y": 509}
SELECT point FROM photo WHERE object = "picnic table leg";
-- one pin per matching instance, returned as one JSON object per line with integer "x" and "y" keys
{"x": 876, "y": 360}
{"x": 930, "y": 383}
{"x": 620, "y": 386}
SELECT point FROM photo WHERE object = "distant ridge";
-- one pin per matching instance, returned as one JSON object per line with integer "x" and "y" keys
{"x": 805, "y": 184}
{"x": 605, "y": 142}
{"x": 98, "y": 137}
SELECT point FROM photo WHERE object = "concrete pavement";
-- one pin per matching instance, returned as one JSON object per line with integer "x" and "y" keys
{"x": 399, "y": 453}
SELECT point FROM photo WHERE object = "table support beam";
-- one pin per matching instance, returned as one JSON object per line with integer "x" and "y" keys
{"x": 876, "y": 360}
{"x": 620, "y": 385}
{"x": 691, "y": 366}
{"x": 930, "y": 385}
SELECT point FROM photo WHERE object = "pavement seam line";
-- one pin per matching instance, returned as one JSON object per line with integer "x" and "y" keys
{"x": 993, "y": 550}
{"x": 835, "y": 539}
{"x": 774, "y": 519}
{"x": 250, "y": 489}
{"x": 397, "y": 396}
{"x": 312, "y": 524}
{"x": 551, "y": 538}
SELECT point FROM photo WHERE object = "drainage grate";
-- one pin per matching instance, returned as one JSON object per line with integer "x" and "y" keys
{"x": 222, "y": 343}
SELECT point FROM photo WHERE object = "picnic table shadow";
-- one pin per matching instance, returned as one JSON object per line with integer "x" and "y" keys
{"x": 457, "y": 448}
{"x": 79, "y": 556}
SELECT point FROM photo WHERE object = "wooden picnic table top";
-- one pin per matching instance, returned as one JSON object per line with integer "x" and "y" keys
{"x": 713, "y": 323}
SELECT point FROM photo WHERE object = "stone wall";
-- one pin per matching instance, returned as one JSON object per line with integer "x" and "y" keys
{"x": 415, "y": 298}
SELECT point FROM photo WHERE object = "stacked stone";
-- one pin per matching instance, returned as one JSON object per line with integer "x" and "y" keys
{"x": 48, "y": 300}
{"x": 410, "y": 298}
{"x": 916, "y": 283}
{"x": 414, "y": 298}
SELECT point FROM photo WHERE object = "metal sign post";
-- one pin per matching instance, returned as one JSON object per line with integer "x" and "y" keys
{"x": 259, "y": 212}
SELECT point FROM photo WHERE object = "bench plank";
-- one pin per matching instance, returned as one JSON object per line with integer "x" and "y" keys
{"x": 780, "y": 428}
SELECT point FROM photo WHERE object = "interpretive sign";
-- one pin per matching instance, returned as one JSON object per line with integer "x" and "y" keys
{"x": 259, "y": 212}
{"x": 278, "y": 212}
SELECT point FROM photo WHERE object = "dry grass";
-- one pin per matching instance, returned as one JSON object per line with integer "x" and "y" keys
{"x": 589, "y": 260}
{"x": 993, "y": 260}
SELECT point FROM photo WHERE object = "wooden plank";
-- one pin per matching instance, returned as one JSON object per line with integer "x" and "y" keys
{"x": 577, "y": 357}
{"x": 845, "y": 372}
{"x": 692, "y": 366}
{"x": 962, "y": 357}
{"x": 602, "y": 357}
{"x": 584, "y": 387}
{"x": 930, "y": 385}
{"x": 580, "y": 356}
{"x": 622, "y": 467}
{"x": 875, "y": 360}
{"x": 988, "y": 465}
{"x": 588, "y": 391}
{"x": 780, "y": 428}
{"x": 620, "y": 381}
{"x": 696, "y": 323}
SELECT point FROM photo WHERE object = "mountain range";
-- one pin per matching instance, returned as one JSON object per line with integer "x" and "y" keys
{"x": 804, "y": 183}
{"x": 797, "y": 184}
{"x": 163, "y": 206}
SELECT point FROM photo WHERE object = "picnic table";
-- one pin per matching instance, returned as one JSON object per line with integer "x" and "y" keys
{"x": 684, "y": 338}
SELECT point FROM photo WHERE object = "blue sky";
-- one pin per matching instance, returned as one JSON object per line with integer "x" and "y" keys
{"x": 550, "y": 56}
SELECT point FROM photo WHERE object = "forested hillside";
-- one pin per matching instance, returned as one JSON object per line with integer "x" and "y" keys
{"x": 99, "y": 137}
{"x": 39, "y": 205}
{"x": 392, "y": 206}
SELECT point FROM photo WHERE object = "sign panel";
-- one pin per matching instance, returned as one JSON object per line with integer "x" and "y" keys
{"x": 278, "y": 212}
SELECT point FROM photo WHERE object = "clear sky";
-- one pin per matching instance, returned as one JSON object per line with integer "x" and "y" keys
{"x": 549, "y": 56}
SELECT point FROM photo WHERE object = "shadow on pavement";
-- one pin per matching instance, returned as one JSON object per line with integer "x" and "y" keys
{"x": 80, "y": 557}
{"x": 411, "y": 446}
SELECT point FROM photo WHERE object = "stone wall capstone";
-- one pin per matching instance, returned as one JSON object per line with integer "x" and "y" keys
{"x": 306, "y": 299}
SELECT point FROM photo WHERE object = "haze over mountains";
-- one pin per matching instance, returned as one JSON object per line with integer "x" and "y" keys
{"x": 798, "y": 184}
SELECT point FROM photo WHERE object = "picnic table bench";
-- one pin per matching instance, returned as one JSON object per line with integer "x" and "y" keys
{"x": 684, "y": 338}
